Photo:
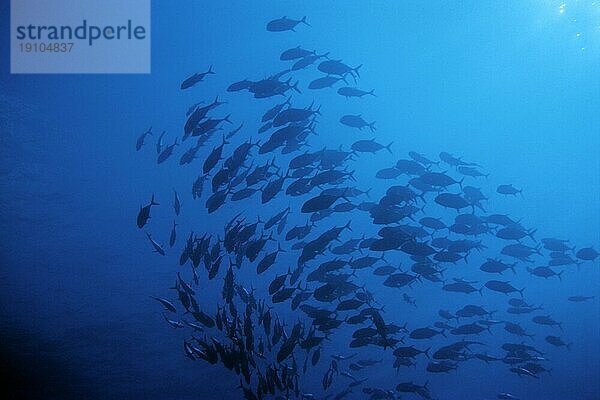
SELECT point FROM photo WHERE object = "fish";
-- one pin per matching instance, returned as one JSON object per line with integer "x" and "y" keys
{"x": 166, "y": 304}
{"x": 159, "y": 142}
{"x": 144, "y": 213}
{"x": 452, "y": 200}
{"x": 268, "y": 260}
{"x": 370, "y": 146}
{"x": 324, "y": 82}
{"x": 157, "y": 247}
{"x": 503, "y": 287}
{"x": 580, "y": 299}
{"x": 337, "y": 67}
{"x": 506, "y": 396}
{"x": 240, "y": 85}
{"x": 173, "y": 236}
{"x": 176, "y": 203}
{"x": 295, "y": 53}
{"x": 214, "y": 157}
{"x": 544, "y": 272}
{"x": 520, "y": 371}
{"x": 497, "y": 266}
{"x": 141, "y": 139}
{"x": 425, "y": 333}
{"x": 509, "y": 190}
{"x": 285, "y": 24}
{"x": 174, "y": 324}
{"x": 348, "y": 92}
{"x": 557, "y": 342}
{"x": 195, "y": 78}
{"x": 587, "y": 254}
{"x": 356, "y": 121}
{"x": 546, "y": 320}
{"x": 166, "y": 152}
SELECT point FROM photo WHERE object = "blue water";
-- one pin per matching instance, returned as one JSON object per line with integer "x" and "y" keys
{"x": 509, "y": 86}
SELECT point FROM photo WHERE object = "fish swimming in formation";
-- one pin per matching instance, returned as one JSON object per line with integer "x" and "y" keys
{"x": 401, "y": 237}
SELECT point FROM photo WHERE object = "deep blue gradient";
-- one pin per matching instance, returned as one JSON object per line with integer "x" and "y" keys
{"x": 506, "y": 85}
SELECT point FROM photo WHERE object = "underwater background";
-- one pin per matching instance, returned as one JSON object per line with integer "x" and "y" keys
{"x": 511, "y": 86}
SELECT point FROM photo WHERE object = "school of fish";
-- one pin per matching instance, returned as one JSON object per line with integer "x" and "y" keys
{"x": 297, "y": 298}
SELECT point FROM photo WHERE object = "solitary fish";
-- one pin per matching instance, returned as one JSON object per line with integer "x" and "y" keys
{"x": 285, "y": 24}
{"x": 173, "y": 236}
{"x": 509, "y": 190}
{"x": 176, "y": 203}
{"x": 348, "y": 92}
{"x": 144, "y": 214}
{"x": 197, "y": 77}
{"x": 157, "y": 247}
{"x": 166, "y": 304}
{"x": 140, "y": 141}
{"x": 356, "y": 121}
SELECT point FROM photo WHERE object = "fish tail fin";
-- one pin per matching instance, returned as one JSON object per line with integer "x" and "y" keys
{"x": 303, "y": 20}
{"x": 355, "y": 70}
{"x": 538, "y": 249}
{"x": 388, "y": 147}
{"x": 531, "y": 233}
{"x": 372, "y": 126}
{"x": 426, "y": 352}
{"x": 521, "y": 292}
{"x": 560, "y": 275}
{"x": 279, "y": 249}
{"x": 347, "y": 226}
{"x": 226, "y": 119}
{"x": 153, "y": 202}
{"x": 367, "y": 192}
{"x": 210, "y": 70}
{"x": 295, "y": 87}
{"x": 351, "y": 174}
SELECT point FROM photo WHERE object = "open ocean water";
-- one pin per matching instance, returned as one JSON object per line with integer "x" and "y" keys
{"x": 402, "y": 129}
